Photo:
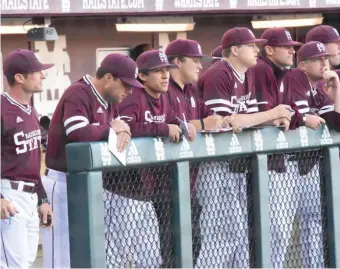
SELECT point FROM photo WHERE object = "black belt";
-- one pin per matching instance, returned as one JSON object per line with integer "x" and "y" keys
{"x": 26, "y": 188}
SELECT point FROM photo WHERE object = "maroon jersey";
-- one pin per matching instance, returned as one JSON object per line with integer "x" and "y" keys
{"x": 147, "y": 116}
{"x": 82, "y": 115}
{"x": 311, "y": 100}
{"x": 187, "y": 101}
{"x": 226, "y": 92}
{"x": 270, "y": 89}
{"x": 20, "y": 141}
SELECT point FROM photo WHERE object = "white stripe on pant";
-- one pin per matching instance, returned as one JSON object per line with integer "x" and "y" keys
{"x": 20, "y": 235}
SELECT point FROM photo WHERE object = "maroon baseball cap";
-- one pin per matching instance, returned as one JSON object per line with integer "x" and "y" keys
{"x": 311, "y": 50}
{"x": 323, "y": 34}
{"x": 184, "y": 47}
{"x": 153, "y": 59}
{"x": 279, "y": 37}
{"x": 239, "y": 36}
{"x": 217, "y": 52}
{"x": 21, "y": 61}
{"x": 122, "y": 67}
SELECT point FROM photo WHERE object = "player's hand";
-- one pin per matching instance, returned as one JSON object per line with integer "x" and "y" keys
{"x": 120, "y": 126}
{"x": 331, "y": 78}
{"x": 213, "y": 122}
{"x": 174, "y": 132}
{"x": 282, "y": 121}
{"x": 313, "y": 121}
{"x": 45, "y": 210}
{"x": 283, "y": 111}
{"x": 123, "y": 140}
{"x": 7, "y": 209}
{"x": 192, "y": 131}
{"x": 237, "y": 128}
{"x": 225, "y": 122}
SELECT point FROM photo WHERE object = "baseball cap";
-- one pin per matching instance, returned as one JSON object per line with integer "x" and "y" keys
{"x": 122, "y": 67}
{"x": 217, "y": 52}
{"x": 279, "y": 37}
{"x": 239, "y": 36}
{"x": 153, "y": 59}
{"x": 21, "y": 61}
{"x": 311, "y": 50}
{"x": 184, "y": 47}
{"x": 323, "y": 34}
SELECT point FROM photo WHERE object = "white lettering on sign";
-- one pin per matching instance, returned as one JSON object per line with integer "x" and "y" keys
{"x": 24, "y": 5}
{"x": 332, "y": 2}
{"x": 266, "y": 3}
{"x": 113, "y": 4}
{"x": 196, "y": 3}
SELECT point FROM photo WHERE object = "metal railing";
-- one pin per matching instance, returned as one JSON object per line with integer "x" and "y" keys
{"x": 261, "y": 198}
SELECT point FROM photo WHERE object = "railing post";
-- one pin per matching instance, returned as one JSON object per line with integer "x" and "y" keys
{"x": 86, "y": 220}
{"x": 182, "y": 216}
{"x": 260, "y": 206}
{"x": 332, "y": 182}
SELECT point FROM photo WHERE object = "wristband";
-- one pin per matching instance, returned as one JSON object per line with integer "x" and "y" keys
{"x": 202, "y": 124}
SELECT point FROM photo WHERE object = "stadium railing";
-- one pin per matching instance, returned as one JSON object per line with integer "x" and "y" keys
{"x": 173, "y": 199}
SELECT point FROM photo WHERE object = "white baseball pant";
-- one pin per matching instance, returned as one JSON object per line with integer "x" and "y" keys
{"x": 132, "y": 233}
{"x": 55, "y": 241}
{"x": 20, "y": 233}
{"x": 289, "y": 197}
{"x": 224, "y": 218}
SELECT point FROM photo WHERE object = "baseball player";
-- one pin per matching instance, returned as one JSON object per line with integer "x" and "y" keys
{"x": 85, "y": 113}
{"x": 302, "y": 81}
{"x": 21, "y": 188}
{"x": 217, "y": 54}
{"x": 149, "y": 113}
{"x": 269, "y": 71}
{"x": 229, "y": 89}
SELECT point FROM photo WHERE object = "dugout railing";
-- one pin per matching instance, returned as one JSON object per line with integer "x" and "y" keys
{"x": 253, "y": 151}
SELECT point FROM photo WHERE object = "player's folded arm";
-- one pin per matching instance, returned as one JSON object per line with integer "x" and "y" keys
{"x": 77, "y": 125}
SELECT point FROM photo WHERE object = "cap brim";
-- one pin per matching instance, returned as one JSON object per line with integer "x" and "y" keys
{"x": 46, "y": 66}
{"x": 334, "y": 40}
{"x": 203, "y": 57}
{"x": 317, "y": 56}
{"x": 160, "y": 66}
{"x": 132, "y": 82}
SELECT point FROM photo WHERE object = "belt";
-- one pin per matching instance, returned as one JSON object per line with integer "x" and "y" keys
{"x": 46, "y": 171}
{"x": 25, "y": 188}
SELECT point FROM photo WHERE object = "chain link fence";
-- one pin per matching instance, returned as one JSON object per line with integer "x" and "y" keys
{"x": 138, "y": 218}
{"x": 297, "y": 210}
{"x": 221, "y": 206}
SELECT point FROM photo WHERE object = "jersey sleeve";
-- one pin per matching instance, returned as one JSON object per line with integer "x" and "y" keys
{"x": 326, "y": 111}
{"x": 76, "y": 120}
{"x": 216, "y": 90}
{"x": 130, "y": 112}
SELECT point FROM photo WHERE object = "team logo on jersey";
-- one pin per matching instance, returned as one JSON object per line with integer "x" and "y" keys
{"x": 100, "y": 110}
{"x": 326, "y": 137}
{"x": 199, "y": 49}
{"x": 185, "y": 150}
{"x": 19, "y": 119}
{"x": 105, "y": 154}
{"x": 159, "y": 149}
{"x": 210, "y": 144}
{"x": 133, "y": 155}
{"x": 289, "y": 37}
{"x": 281, "y": 141}
{"x": 282, "y": 89}
{"x": 303, "y": 136}
{"x": 321, "y": 47}
{"x": 234, "y": 145}
{"x": 27, "y": 141}
{"x": 193, "y": 102}
{"x": 258, "y": 140}
{"x": 336, "y": 31}
{"x": 149, "y": 118}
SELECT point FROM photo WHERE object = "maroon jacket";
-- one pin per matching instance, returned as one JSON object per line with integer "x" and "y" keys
{"x": 147, "y": 116}
{"x": 187, "y": 101}
{"x": 82, "y": 115}
{"x": 311, "y": 100}
{"x": 20, "y": 143}
{"x": 226, "y": 92}
{"x": 270, "y": 89}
